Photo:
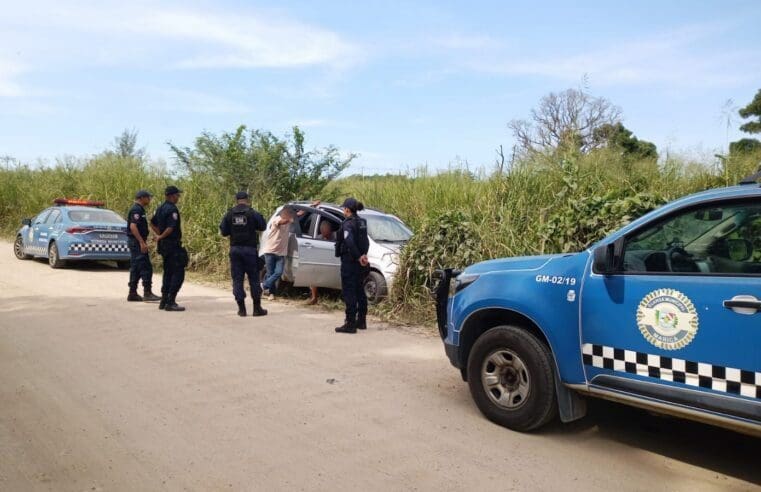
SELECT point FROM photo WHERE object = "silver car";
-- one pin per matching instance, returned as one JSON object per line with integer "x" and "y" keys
{"x": 311, "y": 260}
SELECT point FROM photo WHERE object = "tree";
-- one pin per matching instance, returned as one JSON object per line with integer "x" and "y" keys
{"x": 618, "y": 137}
{"x": 752, "y": 111}
{"x": 125, "y": 146}
{"x": 257, "y": 160}
{"x": 564, "y": 120}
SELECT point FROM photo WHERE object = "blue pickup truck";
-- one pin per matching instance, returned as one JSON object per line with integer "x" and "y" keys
{"x": 664, "y": 314}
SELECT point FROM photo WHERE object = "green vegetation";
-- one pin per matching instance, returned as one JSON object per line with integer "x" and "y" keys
{"x": 558, "y": 195}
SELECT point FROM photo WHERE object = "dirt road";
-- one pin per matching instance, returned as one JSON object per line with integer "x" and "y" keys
{"x": 99, "y": 394}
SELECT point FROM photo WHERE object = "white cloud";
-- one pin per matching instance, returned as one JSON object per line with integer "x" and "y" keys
{"x": 9, "y": 72}
{"x": 669, "y": 58}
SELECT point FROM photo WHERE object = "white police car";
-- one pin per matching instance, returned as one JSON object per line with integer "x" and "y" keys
{"x": 74, "y": 230}
{"x": 664, "y": 314}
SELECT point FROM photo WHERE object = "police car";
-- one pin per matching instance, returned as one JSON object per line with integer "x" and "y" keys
{"x": 662, "y": 315}
{"x": 74, "y": 230}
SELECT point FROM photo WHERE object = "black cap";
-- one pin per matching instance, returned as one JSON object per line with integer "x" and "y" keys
{"x": 172, "y": 190}
{"x": 241, "y": 195}
{"x": 142, "y": 194}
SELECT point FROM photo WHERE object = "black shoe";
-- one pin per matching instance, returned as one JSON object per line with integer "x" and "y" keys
{"x": 162, "y": 304}
{"x": 174, "y": 307}
{"x": 258, "y": 310}
{"x": 362, "y": 324}
{"x": 149, "y": 296}
{"x": 134, "y": 297}
{"x": 347, "y": 328}
{"x": 241, "y": 308}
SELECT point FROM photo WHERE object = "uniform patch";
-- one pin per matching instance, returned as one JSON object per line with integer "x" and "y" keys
{"x": 239, "y": 220}
{"x": 667, "y": 319}
{"x": 136, "y": 216}
{"x": 346, "y": 234}
{"x": 175, "y": 216}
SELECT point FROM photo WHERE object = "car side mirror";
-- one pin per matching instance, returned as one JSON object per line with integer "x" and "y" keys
{"x": 608, "y": 258}
{"x": 739, "y": 249}
{"x": 26, "y": 222}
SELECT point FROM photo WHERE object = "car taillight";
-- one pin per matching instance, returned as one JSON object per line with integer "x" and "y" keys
{"x": 78, "y": 230}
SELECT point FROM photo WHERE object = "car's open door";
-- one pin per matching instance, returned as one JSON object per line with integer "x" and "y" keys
{"x": 308, "y": 263}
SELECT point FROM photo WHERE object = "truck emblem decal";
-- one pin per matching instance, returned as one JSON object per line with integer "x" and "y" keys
{"x": 667, "y": 319}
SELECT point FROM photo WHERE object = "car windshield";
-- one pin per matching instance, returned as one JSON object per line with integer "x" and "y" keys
{"x": 385, "y": 228}
{"x": 89, "y": 215}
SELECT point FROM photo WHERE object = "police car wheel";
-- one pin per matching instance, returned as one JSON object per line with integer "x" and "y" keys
{"x": 54, "y": 259}
{"x": 511, "y": 378}
{"x": 122, "y": 265}
{"x": 18, "y": 249}
{"x": 375, "y": 287}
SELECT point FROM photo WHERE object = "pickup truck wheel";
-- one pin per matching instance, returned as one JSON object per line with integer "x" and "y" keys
{"x": 54, "y": 259}
{"x": 18, "y": 249}
{"x": 512, "y": 379}
{"x": 375, "y": 287}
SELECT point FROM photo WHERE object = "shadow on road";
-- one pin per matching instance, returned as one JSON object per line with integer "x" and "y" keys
{"x": 697, "y": 444}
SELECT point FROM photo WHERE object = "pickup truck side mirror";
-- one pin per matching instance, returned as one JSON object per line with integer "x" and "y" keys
{"x": 26, "y": 222}
{"x": 608, "y": 258}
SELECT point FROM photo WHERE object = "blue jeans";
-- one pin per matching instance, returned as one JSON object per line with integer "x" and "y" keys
{"x": 275, "y": 265}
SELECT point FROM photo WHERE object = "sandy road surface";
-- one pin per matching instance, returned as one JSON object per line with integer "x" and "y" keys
{"x": 99, "y": 394}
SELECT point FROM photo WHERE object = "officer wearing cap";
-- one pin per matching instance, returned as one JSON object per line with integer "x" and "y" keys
{"x": 242, "y": 224}
{"x": 166, "y": 224}
{"x": 140, "y": 267}
{"x": 351, "y": 246}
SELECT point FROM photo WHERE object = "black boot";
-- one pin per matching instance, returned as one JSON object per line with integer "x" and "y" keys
{"x": 362, "y": 323}
{"x": 162, "y": 304}
{"x": 171, "y": 305}
{"x": 347, "y": 327}
{"x": 149, "y": 296}
{"x": 258, "y": 310}
{"x": 134, "y": 296}
{"x": 241, "y": 308}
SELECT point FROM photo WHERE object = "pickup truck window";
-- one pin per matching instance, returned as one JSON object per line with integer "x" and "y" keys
{"x": 715, "y": 239}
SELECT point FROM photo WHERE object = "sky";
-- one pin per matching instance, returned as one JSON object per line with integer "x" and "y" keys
{"x": 402, "y": 84}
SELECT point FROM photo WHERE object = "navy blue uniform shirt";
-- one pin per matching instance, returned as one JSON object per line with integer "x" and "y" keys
{"x": 167, "y": 215}
{"x": 136, "y": 215}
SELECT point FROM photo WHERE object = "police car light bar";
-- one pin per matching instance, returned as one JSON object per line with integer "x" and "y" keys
{"x": 85, "y": 203}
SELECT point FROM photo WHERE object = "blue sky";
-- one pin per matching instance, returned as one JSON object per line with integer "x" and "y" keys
{"x": 401, "y": 83}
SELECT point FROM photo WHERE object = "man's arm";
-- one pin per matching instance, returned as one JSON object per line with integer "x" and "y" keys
{"x": 224, "y": 226}
{"x": 136, "y": 235}
{"x": 259, "y": 223}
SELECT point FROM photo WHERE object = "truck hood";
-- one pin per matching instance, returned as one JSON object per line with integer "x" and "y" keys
{"x": 514, "y": 264}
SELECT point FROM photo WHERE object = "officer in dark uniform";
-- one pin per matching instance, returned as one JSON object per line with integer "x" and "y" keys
{"x": 352, "y": 245}
{"x": 140, "y": 267}
{"x": 242, "y": 224}
{"x": 167, "y": 226}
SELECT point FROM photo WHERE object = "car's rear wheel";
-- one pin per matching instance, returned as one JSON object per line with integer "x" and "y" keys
{"x": 54, "y": 258}
{"x": 375, "y": 287}
{"x": 511, "y": 378}
{"x": 18, "y": 249}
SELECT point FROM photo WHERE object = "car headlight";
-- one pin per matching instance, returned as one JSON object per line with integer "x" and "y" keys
{"x": 464, "y": 280}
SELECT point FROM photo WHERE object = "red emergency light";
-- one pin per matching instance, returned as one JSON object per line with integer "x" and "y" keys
{"x": 84, "y": 203}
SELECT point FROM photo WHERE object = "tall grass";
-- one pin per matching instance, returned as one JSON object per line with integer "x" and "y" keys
{"x": 522, "y": 211}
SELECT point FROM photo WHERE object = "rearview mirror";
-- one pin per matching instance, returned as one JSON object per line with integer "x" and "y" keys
{"x": 739, "y": 249}
{"x": 26, "y": 222}
{"x": 710, "y": 215}
{"x": 608, "y": 259}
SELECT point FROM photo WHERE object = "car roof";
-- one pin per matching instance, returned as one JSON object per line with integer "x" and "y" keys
{"x": 337, "y": 208}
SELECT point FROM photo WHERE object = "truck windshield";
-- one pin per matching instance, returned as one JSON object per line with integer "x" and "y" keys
{"x": 387, "y": 229}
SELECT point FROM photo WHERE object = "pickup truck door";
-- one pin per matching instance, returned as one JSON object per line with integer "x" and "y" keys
{"x": 682, "y": 323}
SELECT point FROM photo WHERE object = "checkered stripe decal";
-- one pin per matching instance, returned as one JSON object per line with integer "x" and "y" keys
{"x": 698, "y": 374}
{"x": 99, "y": 248}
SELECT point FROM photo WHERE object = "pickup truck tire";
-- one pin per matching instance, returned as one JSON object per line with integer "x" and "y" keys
{"x": 512, "y": 378}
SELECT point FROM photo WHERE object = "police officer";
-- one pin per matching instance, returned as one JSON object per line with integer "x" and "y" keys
{"x": 140, "y": 267}
{"x": 242, "y": 225}
{"x": 352, "y": 245}
{"x": 166, "y": 224}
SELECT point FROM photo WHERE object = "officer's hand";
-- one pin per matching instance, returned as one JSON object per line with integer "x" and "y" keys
{"x": 143, "y": 248}
{"x": 364, "y": 261}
